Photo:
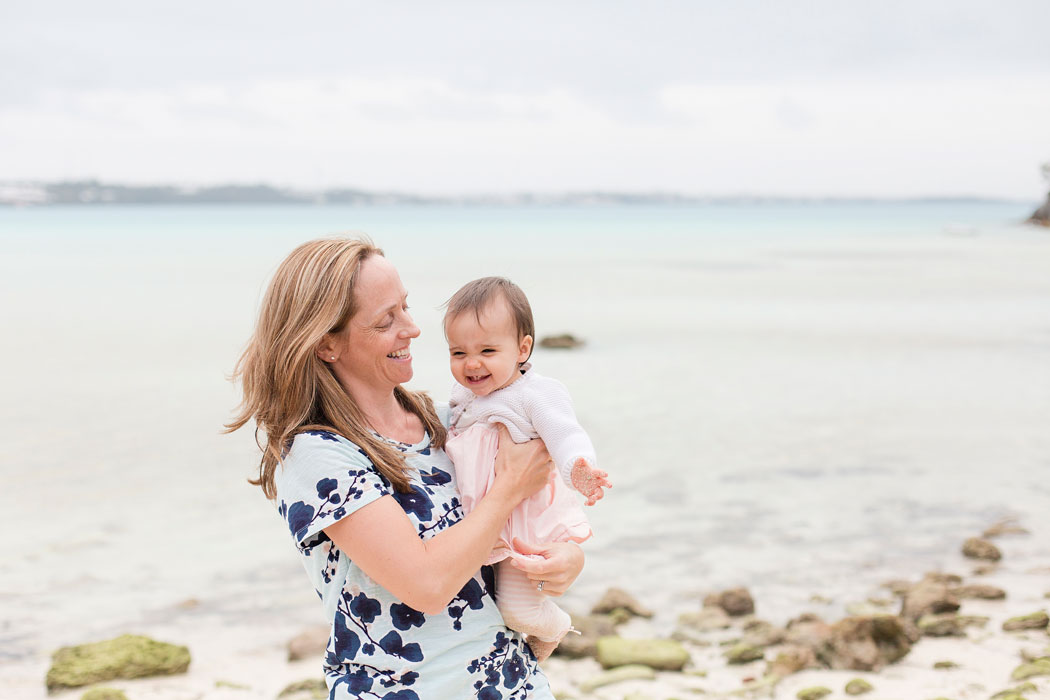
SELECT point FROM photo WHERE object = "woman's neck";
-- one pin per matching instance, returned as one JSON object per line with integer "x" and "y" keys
{"x": 386, "y": 415}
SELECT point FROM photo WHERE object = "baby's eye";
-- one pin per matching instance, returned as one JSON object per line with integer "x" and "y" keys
{"x": 457, "y": 353}
{"x": 487, "y": 351}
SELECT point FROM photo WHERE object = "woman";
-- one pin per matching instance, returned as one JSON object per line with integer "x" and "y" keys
{"x": 356, "y": 465}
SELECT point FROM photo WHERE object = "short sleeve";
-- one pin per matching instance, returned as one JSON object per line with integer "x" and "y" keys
{"x": 323, "y": 478}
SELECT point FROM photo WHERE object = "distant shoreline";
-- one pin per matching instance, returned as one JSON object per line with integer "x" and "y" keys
{"x": 96, "y": 193}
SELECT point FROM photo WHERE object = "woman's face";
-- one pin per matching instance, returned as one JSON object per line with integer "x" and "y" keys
{"x": 373, "y": 351}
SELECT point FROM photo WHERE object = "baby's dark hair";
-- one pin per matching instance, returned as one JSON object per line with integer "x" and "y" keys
{"x": 477, "y": 295}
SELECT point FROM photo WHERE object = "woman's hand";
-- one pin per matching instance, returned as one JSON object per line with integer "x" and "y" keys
{"x": 562, "y": 562}
{"x": 521, "y": 469}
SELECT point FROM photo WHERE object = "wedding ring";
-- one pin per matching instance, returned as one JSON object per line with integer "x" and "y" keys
{"x": 539, "y": 586}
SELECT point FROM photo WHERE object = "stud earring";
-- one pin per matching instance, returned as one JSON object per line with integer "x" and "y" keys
{"x": 333, "y": 358}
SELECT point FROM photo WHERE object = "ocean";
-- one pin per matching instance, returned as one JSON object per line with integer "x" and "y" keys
{"x": 804, "y": 399}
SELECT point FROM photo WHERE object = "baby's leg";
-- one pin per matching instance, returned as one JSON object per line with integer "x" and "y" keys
{"x": 527, "y": 610}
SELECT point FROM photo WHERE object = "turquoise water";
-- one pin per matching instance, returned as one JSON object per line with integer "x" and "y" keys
{"x": 798, "y": 398}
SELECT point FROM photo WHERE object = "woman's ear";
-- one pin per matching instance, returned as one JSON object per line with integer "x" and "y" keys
{"x": 325, "y": 349}
{"x": 524, "y": 349}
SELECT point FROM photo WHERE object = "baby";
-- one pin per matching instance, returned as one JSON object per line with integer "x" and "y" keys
{"x": 489, "y": 328}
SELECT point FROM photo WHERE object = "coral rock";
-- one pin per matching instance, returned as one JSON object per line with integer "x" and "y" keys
{"x": 661, "y": 654}
{"x": 743, "y": 654}
{"x": 1034, "y": 621}
{"x": 309, "y": 689}
{"x": 310, "y": 643}
{"x": 562, "y": 341}
{"x": 858, "y": 686}
{"x": 735, "y": 601}
{"x": 867, "y": 643}
{"x": 943, "y": 625}
{"x": 814, "y": 693}
{"x": 976, "y": 548}
{"x": 1039, "y": 667}
{"x": 791, "y": 659}
{"x": 928, "y": 598}
{"x": 979, "y": 591}
{"x": 590, "y": 628}
{"x": 617, "y": 598}
{"x": 127, "y": 656}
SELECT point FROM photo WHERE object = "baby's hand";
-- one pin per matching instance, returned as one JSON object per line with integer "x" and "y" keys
{"x": 589, "y": 481}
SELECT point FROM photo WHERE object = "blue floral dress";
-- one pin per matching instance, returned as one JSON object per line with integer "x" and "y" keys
{"x": 380, "y": 648}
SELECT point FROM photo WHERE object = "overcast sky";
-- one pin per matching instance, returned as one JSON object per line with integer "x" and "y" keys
{"x": 781, "y": 98}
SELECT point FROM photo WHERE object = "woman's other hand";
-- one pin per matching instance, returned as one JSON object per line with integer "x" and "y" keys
{"x": 522, "y": 469}
{"x": 562, "y": 562}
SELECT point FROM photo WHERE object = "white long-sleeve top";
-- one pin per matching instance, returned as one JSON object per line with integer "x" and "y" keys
{"x": 533, "y": 406}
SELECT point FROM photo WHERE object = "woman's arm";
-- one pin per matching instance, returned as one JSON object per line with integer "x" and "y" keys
{"x": 427, "y": 574}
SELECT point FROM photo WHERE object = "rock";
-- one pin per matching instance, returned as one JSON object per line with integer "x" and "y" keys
{"x": 310, "y": 643}
{"x": 127, "y": 656}
{"x": 1041, "y": 216}
{"x": 706, "y": 620}
{"x": 858, "y": 686}
{"x": 942, "y": 577}
{"x": 1039, "y": 667}
{"x": 661, "y": 654}
{"x": 945, "y": 665}
{"x": 760, "y": 633}
{"x": 562, "y": 341}
{"x": 309, "y": 689}
{"x": 590, "y": 628}
{"x": 943, "y": 625}
{"x": 976, "y": 548}
{"x": 867, "y": 643}
{"x": 1008, "y": 526}
{"x": 808, "y": 630}
{"x": 985, "y": 569}
{"x": 927, "y": 598}
{"x": 790, "y": 660}
{"x": 813, "y": 693}
{"x": 637, "y": 696}
{"x": 1034, "y": 621}
{"x": 979, "y": 591}
{"x": 617, "y": 598}
{"x": 898, "y": 586}
{"x": 1029, "y": 655}
{"x": 1015, "y": 693}
{"x": 735, "y": 601}
{"x": 104, "y": 694}
{"x": 743, "y": 654}
{"x": 230, "y": 684}
{"x": 974, "y": 620}
{"x": 631, "y": 672}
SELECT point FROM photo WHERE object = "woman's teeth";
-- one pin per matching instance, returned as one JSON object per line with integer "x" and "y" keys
{"x": 399, "y": 355}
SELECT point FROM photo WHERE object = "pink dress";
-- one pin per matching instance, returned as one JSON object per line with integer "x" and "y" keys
{"x": 532, "y": 406}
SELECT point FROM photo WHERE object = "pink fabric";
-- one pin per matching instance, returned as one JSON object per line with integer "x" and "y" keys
{"x": 551, "y": 515}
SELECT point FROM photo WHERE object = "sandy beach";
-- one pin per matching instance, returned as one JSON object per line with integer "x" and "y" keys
{"x": 807, "y": 405}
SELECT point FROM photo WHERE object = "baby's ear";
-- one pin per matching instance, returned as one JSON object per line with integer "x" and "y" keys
{"x": 525, "y": 348}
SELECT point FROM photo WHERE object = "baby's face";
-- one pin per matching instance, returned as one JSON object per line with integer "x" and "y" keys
{"x": 485, "y": 351}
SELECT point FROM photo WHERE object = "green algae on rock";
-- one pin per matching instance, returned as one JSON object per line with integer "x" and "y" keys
{"x": 814, "y": 693}
{"x": 1039, "y": 667}
{"x": 309, "y": 689}
{"x": 1034, "y": 621}
{"x": 1015, "y": 693}
{"x": 945, "y": 665}
{"x": 858, "y": 686}
{"x": 127, "y": 656}
{"x": 631, "y": 672}
{"x": 744, "y": 653}
{"x": 104, "y": 693}
{"x": 661, "y": 654}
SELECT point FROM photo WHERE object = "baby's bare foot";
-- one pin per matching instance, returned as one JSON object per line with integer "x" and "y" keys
{"x": 589, "y": 481}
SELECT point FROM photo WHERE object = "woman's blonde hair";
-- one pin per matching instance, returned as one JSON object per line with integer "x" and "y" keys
{"x": 288, "y": 389}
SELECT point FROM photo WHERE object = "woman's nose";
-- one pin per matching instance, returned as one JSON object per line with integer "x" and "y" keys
{"x": 410, "y": 331}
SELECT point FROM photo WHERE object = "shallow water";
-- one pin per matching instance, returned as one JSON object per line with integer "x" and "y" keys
{"x": 800, "y": 399}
